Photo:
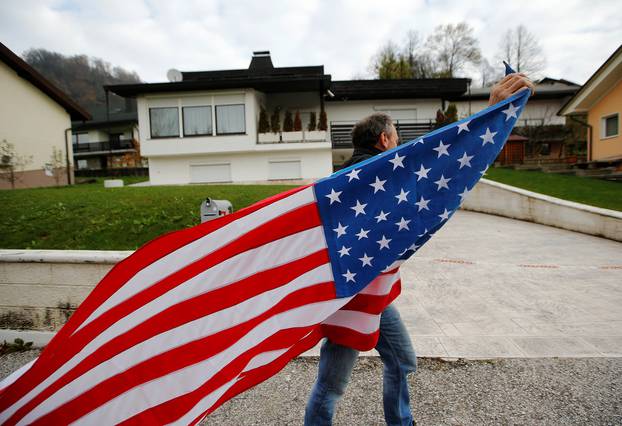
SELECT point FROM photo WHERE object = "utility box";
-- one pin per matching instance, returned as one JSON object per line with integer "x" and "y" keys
{"x": 212, "y": 209}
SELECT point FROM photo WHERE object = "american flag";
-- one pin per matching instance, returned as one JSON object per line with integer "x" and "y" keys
{"x": 197, "y": 316}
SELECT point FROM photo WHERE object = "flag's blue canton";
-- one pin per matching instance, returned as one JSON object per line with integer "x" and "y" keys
{"x": 385, "y": 208}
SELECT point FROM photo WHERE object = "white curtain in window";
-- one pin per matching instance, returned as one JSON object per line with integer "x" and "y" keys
{"x": 197, "y": 120}
{"x": 230, "y": 119}
{"x": 164, "y": 122}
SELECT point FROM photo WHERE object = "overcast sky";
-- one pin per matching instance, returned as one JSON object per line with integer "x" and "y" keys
{"x": 150, "y": 37}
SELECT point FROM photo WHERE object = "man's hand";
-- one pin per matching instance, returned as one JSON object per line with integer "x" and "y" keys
{"x": 510, "y": 84}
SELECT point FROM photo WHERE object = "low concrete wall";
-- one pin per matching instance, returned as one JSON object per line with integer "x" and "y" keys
{"x": 40, "y": 289}
{"x": 504, "y": 200}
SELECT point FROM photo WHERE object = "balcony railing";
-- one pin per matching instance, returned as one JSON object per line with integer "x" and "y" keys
{"x": 113, "y": 145}
{"x": 407, "y": 130}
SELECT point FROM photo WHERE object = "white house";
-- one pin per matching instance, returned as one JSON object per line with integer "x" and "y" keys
{"x": 35, "y": 117}
{"x": 203, "y": 126}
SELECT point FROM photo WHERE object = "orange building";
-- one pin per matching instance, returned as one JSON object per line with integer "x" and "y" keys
{"x": 601, "y": 99}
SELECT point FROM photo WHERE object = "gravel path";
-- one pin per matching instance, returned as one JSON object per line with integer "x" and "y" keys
{"x": 548, "y": 391}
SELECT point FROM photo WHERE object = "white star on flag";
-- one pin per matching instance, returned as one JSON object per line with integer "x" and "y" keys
{"x": 359, "y": 208}
{"x": 422, "y": 204}
{"x": 381, "y": 216}
{"x": 378, "y": 185}
{"x": 510, "y": 112}
{"x": 340, "y": 229}
{"x": 345, "y": 251}
{"x": 354, "y": 174}
{"x": 403, "y": 224}
{"x": 362, "y": 234}
{"x": 397, "y": 161}
{"x": 419, "y": 141}
{"x": 488, "y": 137}
{"x": 464, "y": 194}
{"x": 402, "y": 196}
{"x": 424, "y": 232}
{"x": 464, "y": 127}
{"x": 442, "y": 149}
{"x": 444, "y": 215}
{"x": 366, "y": 260}
{"x": 442, "y": 183}
{"x": 465, "y": 160}
{"x": 349, "y": 276}
{"x": 334, "y": 196}
{"x": 422, "y": 173}
{"x": 384, "y": 242}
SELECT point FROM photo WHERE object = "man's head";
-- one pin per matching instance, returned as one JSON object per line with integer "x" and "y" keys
{"x": 376, "y": 130}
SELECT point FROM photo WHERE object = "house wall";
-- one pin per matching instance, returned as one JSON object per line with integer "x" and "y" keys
{"x": 244, "y": 166}
{"x": 34, "y": 123}
{"x": 611, "y": 103}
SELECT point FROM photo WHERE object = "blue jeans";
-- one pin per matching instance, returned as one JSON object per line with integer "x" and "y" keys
{"x": 336, "y": 363}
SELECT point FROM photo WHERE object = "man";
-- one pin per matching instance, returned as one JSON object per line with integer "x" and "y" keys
{"x": 370, "y": 136}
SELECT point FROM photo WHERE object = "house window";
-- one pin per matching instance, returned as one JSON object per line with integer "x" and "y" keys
{"x": 80, "y": 138}
{"x": 197, "y": 120}
{"x": 164, "y": 122}
{"x": 230, "y": 119}
{"x": 610, "y": 126}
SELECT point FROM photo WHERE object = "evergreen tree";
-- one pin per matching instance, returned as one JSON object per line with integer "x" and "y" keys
{"x": 288, "y": 122}
{"x": 297, "y": 122}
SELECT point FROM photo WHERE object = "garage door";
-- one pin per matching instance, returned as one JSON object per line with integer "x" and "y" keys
{"x": 284, "y": 169}
{"x": 203, "y": 173}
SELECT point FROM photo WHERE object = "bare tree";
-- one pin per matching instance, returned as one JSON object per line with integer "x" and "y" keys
{"x": 11, "y": 164}
{"x": 419, "y": 60}
{"x": 453, "y": 46}
{"x": 490, "y": 74}
{"x": 56, "y": 164}
{"x": 520, "y": 49}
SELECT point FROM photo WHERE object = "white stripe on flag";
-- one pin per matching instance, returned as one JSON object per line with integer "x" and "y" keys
{"x": 356, "y": 320}
{"x": 186, "y": 380}
{"x": 273, "y": 254}
{"x": 200, "y": 248}
{"x": 171, "y": 339}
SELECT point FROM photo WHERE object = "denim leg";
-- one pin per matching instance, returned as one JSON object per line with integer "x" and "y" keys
{"x": 336, "y": 363}
{"x": 398, "y": 357}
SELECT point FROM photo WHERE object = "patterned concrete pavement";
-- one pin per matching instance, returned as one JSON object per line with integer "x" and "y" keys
{"x": 492, "y": 287}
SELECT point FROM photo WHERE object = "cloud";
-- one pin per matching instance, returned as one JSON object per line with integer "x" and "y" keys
{"x": 152, "y": 36}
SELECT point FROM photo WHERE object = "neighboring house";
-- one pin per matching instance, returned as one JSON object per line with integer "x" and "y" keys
{"x": 202, "y": 126}
{"x": 601, "y": 99}
{"x": 35, "y": 116}
{"x": 107, "y": 143}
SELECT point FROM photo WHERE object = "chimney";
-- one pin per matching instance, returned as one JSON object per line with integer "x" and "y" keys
{"x": 261, "y": 63}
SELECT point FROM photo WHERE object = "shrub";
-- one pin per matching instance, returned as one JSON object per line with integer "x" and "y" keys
{"x": 288, "y": 122}
{"x": 312, "y": 122}
{"x": 297, "y": 122}
{"x": 264, "y": 125}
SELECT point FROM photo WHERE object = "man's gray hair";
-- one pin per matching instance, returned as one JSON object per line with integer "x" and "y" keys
{"x": 366, "y": 132}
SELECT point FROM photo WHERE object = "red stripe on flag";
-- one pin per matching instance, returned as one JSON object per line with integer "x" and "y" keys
{"x": 373, "y": 304}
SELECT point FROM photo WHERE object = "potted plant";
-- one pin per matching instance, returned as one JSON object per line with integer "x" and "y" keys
{"x": 312, "y": 134}
{"x": 289, "y": 135}
{"x": 263, "y": 128}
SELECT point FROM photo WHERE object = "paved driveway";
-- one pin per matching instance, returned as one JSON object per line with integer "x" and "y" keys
{"x": 488, "y": 287}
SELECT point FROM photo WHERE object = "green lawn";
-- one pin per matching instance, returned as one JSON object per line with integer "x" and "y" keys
{"x": 90, "y": 217}
{"x": 584, "y": 190}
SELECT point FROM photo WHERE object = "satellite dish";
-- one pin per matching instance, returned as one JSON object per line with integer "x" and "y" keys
{"x": 174, "y": 75}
